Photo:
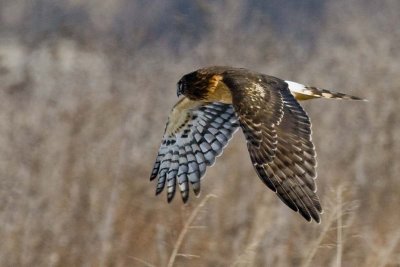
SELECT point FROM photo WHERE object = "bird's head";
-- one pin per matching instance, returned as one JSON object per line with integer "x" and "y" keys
{"x": 193, "y": 85}
{"x": 196, "y": 85}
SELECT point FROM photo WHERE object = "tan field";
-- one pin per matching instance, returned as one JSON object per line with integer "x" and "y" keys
{"x": 83, "y": 110}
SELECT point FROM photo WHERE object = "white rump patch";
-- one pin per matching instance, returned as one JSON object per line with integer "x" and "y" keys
{"x": 296, "y": 87}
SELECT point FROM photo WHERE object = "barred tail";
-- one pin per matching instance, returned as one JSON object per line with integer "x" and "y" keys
{"x": 302, "y": 92}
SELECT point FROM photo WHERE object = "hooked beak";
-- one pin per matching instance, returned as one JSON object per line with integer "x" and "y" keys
{"x": 179, "y": 89}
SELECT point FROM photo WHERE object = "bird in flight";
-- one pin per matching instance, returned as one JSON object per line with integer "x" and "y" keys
{"x": 216, "y": 102}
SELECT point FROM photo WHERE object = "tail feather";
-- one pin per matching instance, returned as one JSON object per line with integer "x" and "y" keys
{"x": 303, "y": 92}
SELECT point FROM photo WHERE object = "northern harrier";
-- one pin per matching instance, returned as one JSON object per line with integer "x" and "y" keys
{"x": 217, "y": 100}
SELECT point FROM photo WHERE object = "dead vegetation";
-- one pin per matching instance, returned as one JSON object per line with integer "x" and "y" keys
{"x": 82, "y": 114}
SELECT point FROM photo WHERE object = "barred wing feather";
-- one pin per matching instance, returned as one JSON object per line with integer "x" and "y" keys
{"x": 193, "y": 138}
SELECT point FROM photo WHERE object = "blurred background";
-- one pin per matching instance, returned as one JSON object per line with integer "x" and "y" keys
{"x": 86, "y": 87}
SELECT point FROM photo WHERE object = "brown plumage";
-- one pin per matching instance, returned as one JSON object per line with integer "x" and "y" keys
{"x": 278, "y": 132}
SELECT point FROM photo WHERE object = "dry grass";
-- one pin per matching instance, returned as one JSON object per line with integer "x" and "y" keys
{"x": 82, "y": 113}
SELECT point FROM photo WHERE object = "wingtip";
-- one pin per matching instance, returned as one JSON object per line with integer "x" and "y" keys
{"x": 305, "y": 215}
{"x": 311, "y": 215}
{"x": 317, "y": 219}
{"x": 312, "y": 218}
{"x": 152, "y": 176}
{"x": 197, "y": 192}
{"x": 316, "y": 215}
{"x": 185, "y": 198}
{"x": 170, "y": 197}
{"x": 158, "y": 190}
{"x": 196, "y": 188}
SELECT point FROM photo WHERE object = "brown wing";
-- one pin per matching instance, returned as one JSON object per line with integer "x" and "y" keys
{"x": 292, "y": 172}
{"x": 278, "y": 133}
{"x": 259, "y": 107}
{"x": 195, "y": 135}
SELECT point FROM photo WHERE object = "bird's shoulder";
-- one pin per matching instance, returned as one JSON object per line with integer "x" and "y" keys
{"x": 180, "y": 114}
{"x": 228, "y": 85}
